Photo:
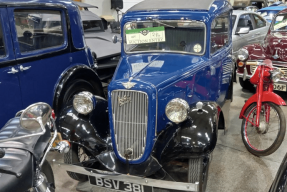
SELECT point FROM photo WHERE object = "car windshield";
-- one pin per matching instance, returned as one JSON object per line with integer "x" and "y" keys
{"x": 280, "y": 23}
{"x": 165, "y": 36}
{"x": 93, "y": 25}
{"x": 233, "y": 20}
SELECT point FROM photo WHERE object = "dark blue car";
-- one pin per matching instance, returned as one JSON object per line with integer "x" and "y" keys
{"x": 43, "y": 55}
{"x": 168, "y": 98}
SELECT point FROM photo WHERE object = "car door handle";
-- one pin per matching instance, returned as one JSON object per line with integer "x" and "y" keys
{"x": 24, "y": 68}
{"x": 13, "y": 71}
{"x": 257, "y": 33}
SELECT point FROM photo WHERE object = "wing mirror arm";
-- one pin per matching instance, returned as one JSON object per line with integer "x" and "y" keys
{"x": 116, "y": 39}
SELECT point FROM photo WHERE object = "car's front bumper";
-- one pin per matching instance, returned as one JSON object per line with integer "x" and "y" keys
{"x": 281, "y": 81}
{"x": 107, "y": 175}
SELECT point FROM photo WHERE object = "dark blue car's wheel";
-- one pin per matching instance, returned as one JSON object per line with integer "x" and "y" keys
{"x": 76, "y": 87}
{"x": 76, "y": 155}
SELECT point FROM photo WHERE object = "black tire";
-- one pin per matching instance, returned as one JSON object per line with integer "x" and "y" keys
{"x": 279, "y": 138}
{"x": 246, "y": 84}
{"x": 48, "y": 173}
{"x": 71, "y": 158}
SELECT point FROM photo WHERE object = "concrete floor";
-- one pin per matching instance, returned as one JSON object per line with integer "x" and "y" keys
{"x": 232, "y": 168}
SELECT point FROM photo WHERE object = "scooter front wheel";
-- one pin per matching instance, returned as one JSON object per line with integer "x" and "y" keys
{"x": 267, "y": 138}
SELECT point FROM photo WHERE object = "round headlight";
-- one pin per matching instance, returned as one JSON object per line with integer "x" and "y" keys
{"x": 83, "y": 103}
{"x": 176, "y": 110}
{"x": 276, "y": 75}
{"x": 243, "y": 54}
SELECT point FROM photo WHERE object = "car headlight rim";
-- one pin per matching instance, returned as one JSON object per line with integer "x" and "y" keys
{"x": 243, "y": 54}
{"x": 84, "y": 103}
{"x": 276, "y": 75}
{"x": 177, "y": 110}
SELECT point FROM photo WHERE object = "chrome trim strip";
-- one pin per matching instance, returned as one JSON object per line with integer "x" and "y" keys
{"x": 140, "y": 121}
{"x": 128, "y": 178}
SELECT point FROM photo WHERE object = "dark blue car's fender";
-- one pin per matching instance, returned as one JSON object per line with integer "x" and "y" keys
{"x": 70, "y": 77}
{"x": 89, "y": 130}
{"x": 195, "y": 137}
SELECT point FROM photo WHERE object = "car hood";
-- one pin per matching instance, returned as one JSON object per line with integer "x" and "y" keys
{"x": 276, "y": 46}
{"x": 160, "y": 70}
{"x": 101, "y": 43}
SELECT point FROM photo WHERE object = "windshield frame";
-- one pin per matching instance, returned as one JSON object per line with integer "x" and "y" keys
{"x": 273, "y": 21}
{"x": 158, "y": 51}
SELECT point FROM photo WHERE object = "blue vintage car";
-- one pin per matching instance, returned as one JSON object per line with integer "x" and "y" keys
{"x": 43, "y": 55}
{"x": 169, "y": 96}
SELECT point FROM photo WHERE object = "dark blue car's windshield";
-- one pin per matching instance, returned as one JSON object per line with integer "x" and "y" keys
{"x": 165, "y": 36}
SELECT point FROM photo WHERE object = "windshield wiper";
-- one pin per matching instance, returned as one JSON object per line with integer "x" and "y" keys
{"x": 157, "y": 21}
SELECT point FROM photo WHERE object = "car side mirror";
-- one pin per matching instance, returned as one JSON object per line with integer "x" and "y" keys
{"x": 243, "y": 30}
{"x": 116, "y": 39}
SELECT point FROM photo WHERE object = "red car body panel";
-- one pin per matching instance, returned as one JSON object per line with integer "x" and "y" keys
{"x": 275, "y": 43}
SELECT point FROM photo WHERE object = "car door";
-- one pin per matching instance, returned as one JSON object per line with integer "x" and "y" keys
{"x": 240, "y": 41}
{"x": 261, "y": 27}
{"x": 10, "y": 94}
{"x": 220, "y": 49}
{"x": 41, "y": 48}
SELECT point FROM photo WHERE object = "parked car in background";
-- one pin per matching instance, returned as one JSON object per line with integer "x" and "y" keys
{"x": 273, "y": 48}
{"x": 44, "y": 56}
{"x": 168, "y": 98}
{"x": 278, "y": 3}
{"x": 242, "y": 4}
{"x": 248, "y": 28}
{"x": 269, "y": 12}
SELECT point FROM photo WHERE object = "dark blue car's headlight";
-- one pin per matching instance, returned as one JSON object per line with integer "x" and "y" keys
{"x": 176, "y": 110}
{"x": 83, "y": 103}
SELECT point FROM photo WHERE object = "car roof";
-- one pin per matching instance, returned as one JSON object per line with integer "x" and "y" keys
{"x": 240, "y": 12}
{"x": 36, "y": 2}
{"x": 32, "y": 1}
{"x": 172, "y": 5}
{"x": 273, "y": 8}
{"x": 89, "y": 16}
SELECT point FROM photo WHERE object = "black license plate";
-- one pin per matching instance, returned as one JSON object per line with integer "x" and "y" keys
{"x": 119, "y": 185}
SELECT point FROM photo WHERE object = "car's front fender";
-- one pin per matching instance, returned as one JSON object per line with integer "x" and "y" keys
{"x": 196, "y": 136}
{"x": 90, "y": 130}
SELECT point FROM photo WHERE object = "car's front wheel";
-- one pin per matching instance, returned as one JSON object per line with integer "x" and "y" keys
{"x": 76, "y": 155}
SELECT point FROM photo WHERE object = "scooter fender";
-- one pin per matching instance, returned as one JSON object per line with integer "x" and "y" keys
{"x": 266, "y": 97}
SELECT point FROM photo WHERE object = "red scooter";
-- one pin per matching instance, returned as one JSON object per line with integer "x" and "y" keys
{"x": 264, "y": 124}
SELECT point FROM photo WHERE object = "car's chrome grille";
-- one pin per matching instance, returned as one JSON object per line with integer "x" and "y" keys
{"x": 130, "y": 117}
{"x": 253, "y": 67}
{"x": 280, "y": 67}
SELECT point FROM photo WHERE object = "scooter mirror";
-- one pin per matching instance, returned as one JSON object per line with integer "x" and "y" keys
{"x": 35, "y": 116}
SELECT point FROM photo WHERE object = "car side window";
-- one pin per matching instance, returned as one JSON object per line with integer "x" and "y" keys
{"x": 259, "y": 22}
{"x": 220, "y": 32}
{"x": 38, "y": 29}
{"x": 244, "y": 21}
{"x": 2, "y": 45}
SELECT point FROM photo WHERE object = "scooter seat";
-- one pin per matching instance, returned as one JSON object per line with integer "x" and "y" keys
{"x": 18, "y": 161}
